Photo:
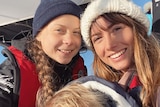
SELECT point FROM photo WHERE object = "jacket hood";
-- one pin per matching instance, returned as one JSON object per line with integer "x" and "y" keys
{"x": 112, "y": 91}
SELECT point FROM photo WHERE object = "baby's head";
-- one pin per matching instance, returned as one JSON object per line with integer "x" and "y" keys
{"x": 76, "y": 95}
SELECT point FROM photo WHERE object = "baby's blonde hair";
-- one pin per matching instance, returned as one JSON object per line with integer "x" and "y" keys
{"x": 75, "y": 95}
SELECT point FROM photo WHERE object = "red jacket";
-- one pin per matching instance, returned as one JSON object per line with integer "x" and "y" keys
{"x": 29, "y": 83}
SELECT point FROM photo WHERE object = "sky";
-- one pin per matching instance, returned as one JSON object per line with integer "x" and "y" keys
{"x": 2, "y": 58}
{"x": 88, "y": 56}
{"x": 141, "y": 2}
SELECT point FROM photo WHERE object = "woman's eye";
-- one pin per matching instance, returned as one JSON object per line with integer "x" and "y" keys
{"x": 59, "y": 31}
{"x": 117, "y": 28}
{"x": 77, "y": 33}
{"x": 95, "y": 38}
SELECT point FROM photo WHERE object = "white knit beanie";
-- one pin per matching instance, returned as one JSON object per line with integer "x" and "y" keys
{"x": 99, "y": 7}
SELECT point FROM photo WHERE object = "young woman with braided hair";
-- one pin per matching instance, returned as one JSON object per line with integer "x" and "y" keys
{"x": 55, "y": 46}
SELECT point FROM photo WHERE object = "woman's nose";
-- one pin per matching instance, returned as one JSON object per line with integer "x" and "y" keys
{"x": 109, "y": 41}
{"x": 68, "y": 39}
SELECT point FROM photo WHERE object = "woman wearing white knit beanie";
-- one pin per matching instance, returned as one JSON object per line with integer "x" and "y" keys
{"x": 117, "y": 33}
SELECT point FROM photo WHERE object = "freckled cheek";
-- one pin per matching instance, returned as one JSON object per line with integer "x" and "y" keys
{"x": 130, "y": 42}
{"x": 99, "y": 50}
{"x": 79, "y": 42}
{"x": 47, "y": 48}
{"x": 49, "y": 44}
{"x": 129, "y": 37}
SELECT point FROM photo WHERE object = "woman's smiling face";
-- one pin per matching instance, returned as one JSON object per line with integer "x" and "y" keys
{"x": 113, "y": 43}
{"x": 61, "y": 38}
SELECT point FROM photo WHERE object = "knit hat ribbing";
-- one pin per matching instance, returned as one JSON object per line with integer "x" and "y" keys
{"x": 99, "y": 7}
{"x": 50, "y": 9}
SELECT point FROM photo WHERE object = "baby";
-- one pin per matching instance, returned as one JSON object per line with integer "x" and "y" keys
{"x": 91, "y": 91}
{"x": 76, "y": 95}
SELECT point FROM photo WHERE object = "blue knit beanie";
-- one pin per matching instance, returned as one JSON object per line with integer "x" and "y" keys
{"x": 50, "y": 9}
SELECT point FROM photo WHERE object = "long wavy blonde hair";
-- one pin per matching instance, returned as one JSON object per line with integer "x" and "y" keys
{"x": 146, "y": 58}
